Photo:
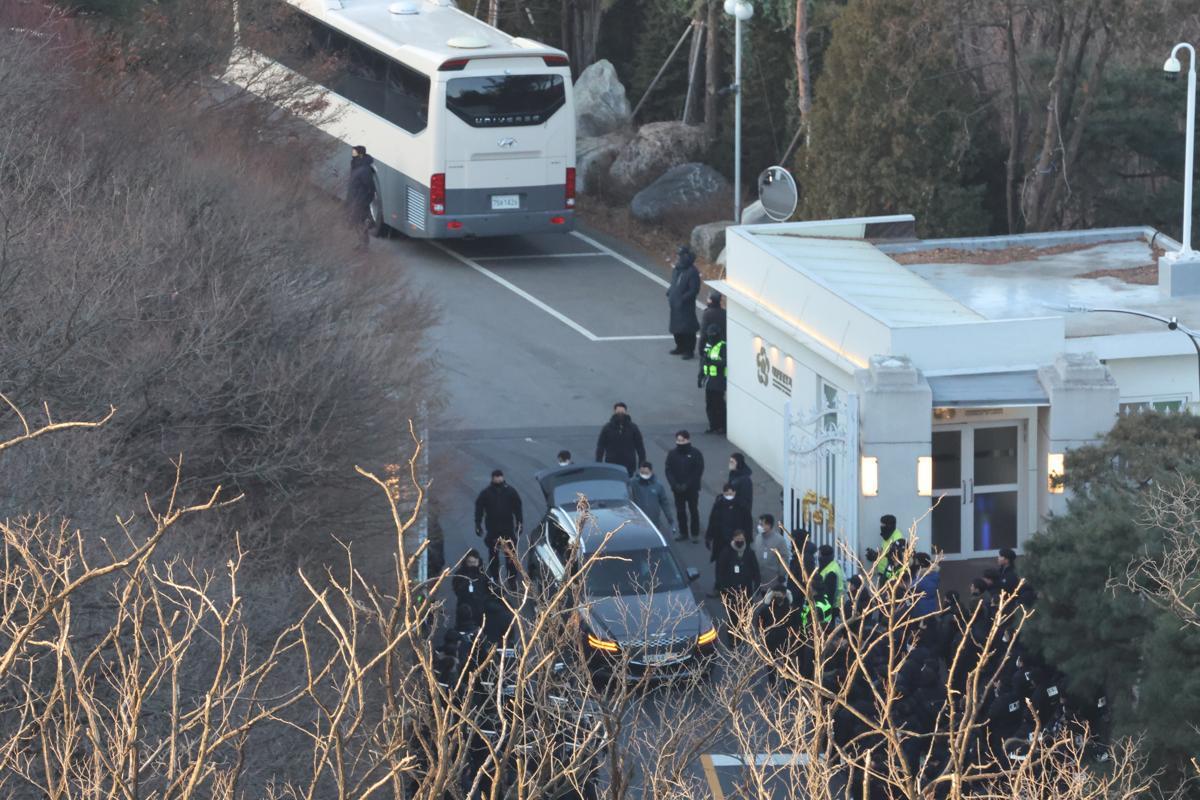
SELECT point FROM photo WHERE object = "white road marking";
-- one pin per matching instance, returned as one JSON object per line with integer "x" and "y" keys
{"x": 758, "y": 759}
{"x": 539, "y": 255}
{"x": 634, "y": 266}
{"x": 558, "y": 315}
{"x": 474, "y": 264}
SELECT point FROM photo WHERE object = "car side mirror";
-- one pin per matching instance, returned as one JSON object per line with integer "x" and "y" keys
{"x": 693, "y": 574}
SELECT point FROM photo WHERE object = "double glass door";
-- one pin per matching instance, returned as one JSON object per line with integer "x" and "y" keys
{"x": 976, "y": 488}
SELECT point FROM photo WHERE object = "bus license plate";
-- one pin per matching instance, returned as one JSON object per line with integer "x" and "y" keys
{"x": 501, "y": 202}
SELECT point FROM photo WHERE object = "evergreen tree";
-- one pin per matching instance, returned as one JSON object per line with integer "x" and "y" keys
{"x": 893, "y": 127}
{"x": 661, "y": 23}
{"x": 1109, "y": 640}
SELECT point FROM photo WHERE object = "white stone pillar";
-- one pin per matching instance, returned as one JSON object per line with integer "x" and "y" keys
{"x": 895, "y": 424}
{"x": 1084, "y": 401}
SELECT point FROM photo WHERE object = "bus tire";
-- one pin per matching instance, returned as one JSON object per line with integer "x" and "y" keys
{"x": 379, "y": 228}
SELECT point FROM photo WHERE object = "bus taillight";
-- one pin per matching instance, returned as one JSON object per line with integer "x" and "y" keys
{"x": 437, "y": 193}
{"x": 570, "y": 187}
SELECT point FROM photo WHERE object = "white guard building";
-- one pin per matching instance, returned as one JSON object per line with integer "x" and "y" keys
{"x": 941, "y": 380}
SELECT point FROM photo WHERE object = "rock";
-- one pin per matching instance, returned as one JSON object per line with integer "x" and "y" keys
{"x": 755, "y": 214}
{"x": 685, "y": 189}
{"x": 655, "y": 148}
{"x": 708, "y": 240}
{"x": 593, "y": 158}
{"x": 600, "y": 103}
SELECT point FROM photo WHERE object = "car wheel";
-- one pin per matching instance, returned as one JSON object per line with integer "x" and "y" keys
{"x": 379, "y": 228}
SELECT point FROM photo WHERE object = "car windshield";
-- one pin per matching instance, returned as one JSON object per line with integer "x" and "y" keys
{"x": 628, "y": 572}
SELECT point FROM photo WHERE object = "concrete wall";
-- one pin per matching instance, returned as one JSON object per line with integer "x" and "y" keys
{"x": 895, "y": 412}
{"x": 1155, "y": 378}
{"x": 980, "y": 346}
{"x": 1083, "y": 407}
{"x": 755, "y": 409}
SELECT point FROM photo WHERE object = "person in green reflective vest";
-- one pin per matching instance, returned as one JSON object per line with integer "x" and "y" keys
{"x": 831, "y": 581}
{"x": 890, "y": 535}
{"x": 712, "y": 378}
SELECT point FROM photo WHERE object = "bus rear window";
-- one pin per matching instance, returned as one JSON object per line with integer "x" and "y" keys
{"x": 505, "y": 100}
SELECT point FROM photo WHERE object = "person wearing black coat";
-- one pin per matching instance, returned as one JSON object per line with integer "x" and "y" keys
{"x": 681, "y": 299}
{"x": 737, "y": 574}
{"x": 360, "y": 192}
{"x": 713, "y": 315}
{"x": 726, "y": 517}
{"x": 471, "y": 585}
{"x": 497, "y": 517}
{"x": 712, "y": 378}
{"x": 684, "y": 469}
{"x": 802, "y": 565}
{"x": 740, "y": 480}
{"x": 620, "y": 441}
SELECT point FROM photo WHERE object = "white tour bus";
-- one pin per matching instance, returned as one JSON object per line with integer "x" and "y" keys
{"x": 472, "y": 130}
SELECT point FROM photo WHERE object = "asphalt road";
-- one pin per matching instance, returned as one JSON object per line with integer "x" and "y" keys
{"x": 539, "y": 336}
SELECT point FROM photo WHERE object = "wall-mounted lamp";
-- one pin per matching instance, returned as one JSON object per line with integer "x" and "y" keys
{"x": 870, "y": 476}
{"x": 1054, "y": 473}
{"x": 925, "y": 476}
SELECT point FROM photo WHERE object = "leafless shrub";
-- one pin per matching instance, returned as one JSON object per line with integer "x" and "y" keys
{"x": 1169, "y": 576}
{"x": 175, "y": 695}
{"x": 172, "y": 259}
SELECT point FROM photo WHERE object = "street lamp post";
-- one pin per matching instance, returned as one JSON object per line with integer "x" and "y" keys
{"x": 741, "y": 11}
{"x": 1171, "y": 322}
{"x": 1172, "y": 67}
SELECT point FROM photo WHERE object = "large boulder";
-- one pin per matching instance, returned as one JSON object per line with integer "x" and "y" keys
{"x": 600, "y": 103}
{"x": 655, "y": 148}
{"x": 708, "y": 240}
{"x": 683, "y": 190}
{"x": 593, "y": 158}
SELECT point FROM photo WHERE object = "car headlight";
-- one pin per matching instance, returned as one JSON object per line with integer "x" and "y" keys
{"x": 708, "y": 637}
{"x": 605, "y": 645}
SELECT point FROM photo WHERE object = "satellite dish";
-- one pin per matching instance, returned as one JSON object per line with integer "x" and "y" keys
{"x": 778, "y": 194}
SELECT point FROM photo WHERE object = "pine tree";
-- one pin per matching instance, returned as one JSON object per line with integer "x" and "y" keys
{"x": 892, "y": 127}
{"x": 1109, "y": 640}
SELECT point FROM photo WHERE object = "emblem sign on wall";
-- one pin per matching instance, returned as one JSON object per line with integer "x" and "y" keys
{"x": 770, "y": 375}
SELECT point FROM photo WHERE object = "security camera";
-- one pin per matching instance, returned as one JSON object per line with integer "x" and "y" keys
{"x": 1172, "y": 68}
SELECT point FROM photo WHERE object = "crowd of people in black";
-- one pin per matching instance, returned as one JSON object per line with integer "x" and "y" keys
{"x": 961, "y": 652}
{"x": 957, "y": 650}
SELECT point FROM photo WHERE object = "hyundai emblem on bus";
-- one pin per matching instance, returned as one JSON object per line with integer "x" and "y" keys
{"x": 506, "y": 142}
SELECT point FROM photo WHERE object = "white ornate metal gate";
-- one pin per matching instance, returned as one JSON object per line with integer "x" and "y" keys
{"x": 820, "y": 477}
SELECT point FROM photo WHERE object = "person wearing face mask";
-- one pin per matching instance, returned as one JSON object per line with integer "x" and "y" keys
{"x": 890, "y": 535}
{"x": 737, "y": 577}
{"x": 472, "y": 588}
{"x": 360, "y": 193}
{"x": 685, "y": 468}
{"x": 498, "y": 517}
{"x": 564, "y": 458}
{"x": 774, "y": 550}
{"x": 739, "y": 479}
{"x": 651, "y": 496}
{"x": 727, "y": 516}
{"x": 620, "y": 441}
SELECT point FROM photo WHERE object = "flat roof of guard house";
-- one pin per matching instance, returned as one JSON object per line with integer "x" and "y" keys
{"x": 851, "y": 289}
